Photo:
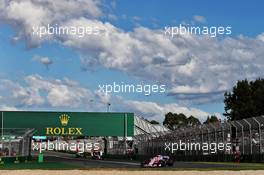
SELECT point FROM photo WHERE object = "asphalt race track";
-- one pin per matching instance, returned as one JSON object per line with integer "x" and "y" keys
{"x": 87, "y": 163}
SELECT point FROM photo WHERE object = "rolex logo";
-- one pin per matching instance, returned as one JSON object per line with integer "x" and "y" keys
{"x": 64, "y": 119}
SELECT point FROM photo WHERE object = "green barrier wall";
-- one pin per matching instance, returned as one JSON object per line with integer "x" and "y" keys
{"x": 18, "y": 159}
{"x": 71, "y": 123}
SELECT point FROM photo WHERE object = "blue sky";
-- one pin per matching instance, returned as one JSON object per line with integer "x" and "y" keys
{"x": 196, "y": 87}
{"x": 244, "y": 16}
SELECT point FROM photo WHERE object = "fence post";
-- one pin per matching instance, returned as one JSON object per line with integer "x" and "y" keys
{"x": 259, "y": 129}
{"x": 243, "y": 145}
{"x": 208, "y": 137}
{"x": 249, "y": 135}
{"x": 185, "y": 135}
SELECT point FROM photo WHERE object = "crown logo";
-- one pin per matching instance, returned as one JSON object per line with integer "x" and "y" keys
{"x": 64, "y": 119}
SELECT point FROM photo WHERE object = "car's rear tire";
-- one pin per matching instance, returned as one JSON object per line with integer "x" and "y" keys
{"x": 161, "y": 163}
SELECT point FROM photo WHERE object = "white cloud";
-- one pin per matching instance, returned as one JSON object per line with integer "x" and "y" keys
{"x": 46, "y": 61}
{"x": 16, "y": 94}
{"x": 50, "y": 11}
{"x": 187, "y": 63}
{"x": 157, "y": 111}
{"x": 112, "y": 17}
{"x": 70, "y": 82}
{"x": 7, "y": 108}
{"x": 261, "y": 37}
{"x": 37, "y": 92}
{"x": 195, "y": 66}
{"x": 25, "y": 14}
{"x": 2, "y": 5}
{"x": 199, "y": 18}
{"x": 59, "y": 93}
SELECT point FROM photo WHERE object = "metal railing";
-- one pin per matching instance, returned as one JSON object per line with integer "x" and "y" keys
{"x": 245, "y": 136}
{"x": 15, "y": 142}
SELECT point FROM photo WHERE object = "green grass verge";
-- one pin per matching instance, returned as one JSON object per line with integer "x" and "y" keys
{"x": 36, "y": 165}
{"x": 234, "y": 164}
{"x": 64, "y": 166}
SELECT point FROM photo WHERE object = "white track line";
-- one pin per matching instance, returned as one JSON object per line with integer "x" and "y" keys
{"x": 103, "y": 161}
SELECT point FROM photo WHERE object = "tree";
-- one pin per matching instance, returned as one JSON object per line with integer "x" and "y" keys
{"x": 154, "y": 122}
{"x": 192, "y": 121}
{"x": 257, "y": 89}
{"x": 212, "y": 119}
{"x": 174, "y": 121}
{"x": 246, "y": 100}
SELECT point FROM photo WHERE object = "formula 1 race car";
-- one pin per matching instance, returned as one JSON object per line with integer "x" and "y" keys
{"x": 157, "y": 161}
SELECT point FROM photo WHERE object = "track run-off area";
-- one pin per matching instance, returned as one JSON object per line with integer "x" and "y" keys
{"x": 60, "y": 161}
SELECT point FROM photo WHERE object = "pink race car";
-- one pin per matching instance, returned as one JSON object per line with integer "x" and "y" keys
{"x": 158, "y": 161}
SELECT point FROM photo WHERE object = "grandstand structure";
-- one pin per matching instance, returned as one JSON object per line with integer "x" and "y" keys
{"x": 245, "y": 136}
{"x": 15, "y": 143}
{"x": 124, "y": 133}
{"x": 143, "y": 132}
{"x": 149, "y": 137}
